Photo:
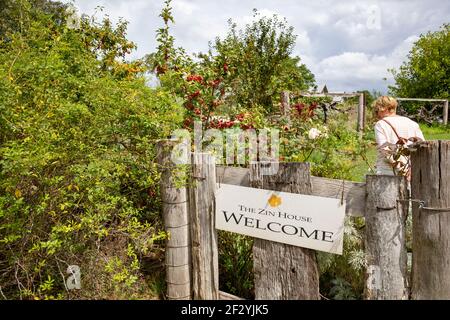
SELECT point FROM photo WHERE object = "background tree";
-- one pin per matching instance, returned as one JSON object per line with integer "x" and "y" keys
{"x": 17, "y": 14}
{"x": 260, "y": 62}
{"x": 426, "y": 72}
{"x": 246, "y": 70}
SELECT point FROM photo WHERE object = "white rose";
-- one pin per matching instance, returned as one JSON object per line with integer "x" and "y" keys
{"x": 73, "y": 19}
{"x": 314, "y": 133}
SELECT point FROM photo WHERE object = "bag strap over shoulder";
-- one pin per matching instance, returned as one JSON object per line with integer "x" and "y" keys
{"x": 395, "y": 131}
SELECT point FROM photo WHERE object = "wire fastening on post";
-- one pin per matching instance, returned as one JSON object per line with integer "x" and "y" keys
{"x": 436, "y": 209}
{"x": 420, "y": 202}
{"x": 423, "y": 207}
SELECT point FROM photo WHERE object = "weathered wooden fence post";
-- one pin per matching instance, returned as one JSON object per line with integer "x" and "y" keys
{"x": 176, "y": 222}
{"x": 361, "y": 113}
{"x": 385, "y": 242}
{"x": 205, "y": 261}
{"x": 282, "y": 271}
{"x": 445, "y": 112}
{"x": 431, "y": 224}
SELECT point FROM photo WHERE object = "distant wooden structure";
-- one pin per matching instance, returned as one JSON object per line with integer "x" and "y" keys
{"x": 361, "y": 112}
{"x": 444, "y": 101}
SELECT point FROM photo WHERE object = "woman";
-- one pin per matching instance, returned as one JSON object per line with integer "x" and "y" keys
{"x": 392, "y": 132}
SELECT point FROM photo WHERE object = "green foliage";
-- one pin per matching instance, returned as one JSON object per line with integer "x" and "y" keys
{"x": 426, "y": 72}
{"x": 341, "y": 290}
{"x": 168, "y": 58}
{"x": 198, "y": 85}
{"x": 78, "y": 179}
{"x": 236, "y": 264}
{"x": 248, "y": 69}
{"x": 342, "y": 276}
{"x": 436, "y": 132}
{"x": 13, "y": 19}
{"x": 331, "y": 148}
{"x": 260, "y": 62}
{"x": 78, "y": 125}
{"x": 205, "y": 86}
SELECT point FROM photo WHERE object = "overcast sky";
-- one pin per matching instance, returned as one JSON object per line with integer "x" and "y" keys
{"x": 348, "y": 45}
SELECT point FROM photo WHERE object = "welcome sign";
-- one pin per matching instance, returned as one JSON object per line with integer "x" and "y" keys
{"x": 296, "y": 219}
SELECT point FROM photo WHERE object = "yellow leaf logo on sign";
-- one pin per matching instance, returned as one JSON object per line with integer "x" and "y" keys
{"x": 274, "y": 200}
{"x": 18, "y": 193}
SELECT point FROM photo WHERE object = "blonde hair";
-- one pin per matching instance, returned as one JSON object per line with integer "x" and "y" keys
{"x": 385, "y": 103}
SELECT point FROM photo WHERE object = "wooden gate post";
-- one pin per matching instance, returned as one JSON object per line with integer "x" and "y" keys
{"x": 282, "y": 271}
{"x": 176, "y": 223}
{"x": 431, "y": 224}
{"x": 385, "y": 242}
{"x": 205, "y": 261}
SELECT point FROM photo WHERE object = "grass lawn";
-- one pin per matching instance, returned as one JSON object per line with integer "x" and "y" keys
{"x": 435, "y": 132}
{"x": 362, "y": 167}
{"x": 430, "y": 133}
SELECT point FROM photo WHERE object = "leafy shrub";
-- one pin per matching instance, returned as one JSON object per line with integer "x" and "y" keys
{"x": 331, "y": 148}
{"x": 341, "y": 290}
{"x": 236, "y": 264}
{"x": 78, "y": 180}
{"x": 343, "y": 275}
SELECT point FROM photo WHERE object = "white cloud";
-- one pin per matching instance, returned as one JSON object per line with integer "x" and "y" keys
{"x": 248, "y": 19}
{"x": 320, "y": 18}
{"x": 303, "y": 44}
{"x": 352, "y": 71}
{"x": 347, "y": 44}
{"x": 357, "y": 65}
{"x": 184, "y": 7}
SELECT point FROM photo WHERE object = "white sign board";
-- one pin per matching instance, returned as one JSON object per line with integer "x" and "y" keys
{"x": 300, "y": 220}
